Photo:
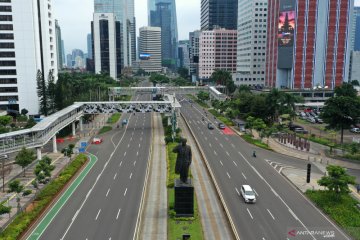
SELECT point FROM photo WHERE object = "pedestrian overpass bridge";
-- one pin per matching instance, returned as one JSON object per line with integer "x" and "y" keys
{"x": 39, "y": 135}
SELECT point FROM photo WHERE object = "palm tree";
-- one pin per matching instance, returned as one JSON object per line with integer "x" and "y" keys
{"x": 274, "y": 103}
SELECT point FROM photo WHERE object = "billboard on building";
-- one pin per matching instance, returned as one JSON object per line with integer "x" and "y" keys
{"x": 286, "y": 33}
{"x": 145, "y": 56}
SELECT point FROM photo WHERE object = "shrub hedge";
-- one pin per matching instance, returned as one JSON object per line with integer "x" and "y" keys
{"x": 24, "y": 220}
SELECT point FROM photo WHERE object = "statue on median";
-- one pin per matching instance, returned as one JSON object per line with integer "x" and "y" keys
{"x": 183, "y": 160}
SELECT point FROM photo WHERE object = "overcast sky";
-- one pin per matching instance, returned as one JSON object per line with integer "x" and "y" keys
{"x": 75, "y": 16}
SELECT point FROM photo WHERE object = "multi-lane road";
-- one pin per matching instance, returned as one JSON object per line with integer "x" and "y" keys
{"x": 106, "y": 204}
{"x": 280, "y": 208}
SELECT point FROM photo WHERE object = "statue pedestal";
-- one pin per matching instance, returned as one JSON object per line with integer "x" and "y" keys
{"x": 184, "y": 198}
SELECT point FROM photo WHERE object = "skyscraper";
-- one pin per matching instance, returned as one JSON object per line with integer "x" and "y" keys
{"x": 124, "y": 12}
{"x": 59, "y": 48}
{"x": 217, "y": 51}
{"x": 308, "y": 43}
{"x": 194, "y": 38}
{"x": 355, "y": 38}
{"x": 150, "y": 49}
{"x": 89, "y": 46}
{"x": 219, "y": 13}
{"x": 251, "y": 43}
{"x": 162, "y": 13}
{"x": 28, "y": 44}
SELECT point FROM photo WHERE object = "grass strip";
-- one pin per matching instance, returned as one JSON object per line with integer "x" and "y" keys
{"x": 114, "y": 118}
{"x": 341, "y": 208}
{"x": 105, "y": 129}
{"x": 23, "y": 220}
{"x": 195, "y": 99}
{"x": 219, "y": 116}
{"x": 179, "y": 226}
{"x": 248, "y": 138}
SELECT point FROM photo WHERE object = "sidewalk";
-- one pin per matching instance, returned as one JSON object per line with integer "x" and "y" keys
{"x": 154, "y": 223}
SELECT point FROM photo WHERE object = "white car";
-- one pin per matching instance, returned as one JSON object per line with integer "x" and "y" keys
{"x": 248, "y": 194}
{"x": 355, "y": 130}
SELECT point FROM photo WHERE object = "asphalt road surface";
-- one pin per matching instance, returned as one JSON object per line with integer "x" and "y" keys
{"x": 106, "y": 204}
{"x": 281, "y": 211}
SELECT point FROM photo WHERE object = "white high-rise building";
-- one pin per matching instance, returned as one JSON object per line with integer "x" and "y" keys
{"x": 150, "y": 49}
{"x": 251, "y": 43}
{"x": 106, "y": 44}
{"x": 27, "y": 44}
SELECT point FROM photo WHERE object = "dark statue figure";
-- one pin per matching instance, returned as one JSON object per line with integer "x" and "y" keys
{"x": 183, "y": 160}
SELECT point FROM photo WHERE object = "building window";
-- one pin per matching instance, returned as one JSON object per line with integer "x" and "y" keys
{"x": 7, "y": 98}
{"x": 6, "y": 27}
{"x": 7, "y": 63}
{"x": 5, "y": 8}
{"x": 7, "y": 54}
{"x": 6, "y": 36}
{"x": 7, "y": 71}
{"x": 7, "y": 1}
{"x": 5, "y": 18}
{"x": 7, "y": 45}
{"x": 8, "y": 89}
{"x": 8, "y": 80}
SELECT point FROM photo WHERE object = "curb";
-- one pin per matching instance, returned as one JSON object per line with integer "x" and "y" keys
{"x": 234, "y": 231}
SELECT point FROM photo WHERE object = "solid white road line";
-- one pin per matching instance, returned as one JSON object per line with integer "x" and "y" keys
{"x": 117, "y": 216}
{"x": 249, "y": 213}
{"x": 107, "y": 192}
{"x": 234, "y": 163}
{"x": 228, "y": 175}
{"x": 244, "y": 175}
{"x": 255, "y": 192}
{"x": 221, "y": 163}
{"x": 120, "y": 164}
{"x": 130, "y": 175}
{"x": 134, "y": 163}
{"x": 237, "y": 191}
{"x": 124, "y": 154}
{"x": 270, "y": 214}
{"x": 97, "y": 215}
{"x": 125, "y": 192}
{"x": 115, "y": 176}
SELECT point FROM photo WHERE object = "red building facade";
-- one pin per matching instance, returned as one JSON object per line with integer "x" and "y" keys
{"x": 308, "y": 43}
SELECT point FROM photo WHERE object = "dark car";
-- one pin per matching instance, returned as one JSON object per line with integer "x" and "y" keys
{"x": 210, "y": 126}
{"x": 221, "y": 126}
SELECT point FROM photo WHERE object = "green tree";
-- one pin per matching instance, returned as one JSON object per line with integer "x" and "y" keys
{"x": 15, "y": 186}
{"x": 30, "y": 122}
{"x": 51, "y": 92}
{"x": 24, "y": 111}
{"x": 24, "y": 158}
{"x": 346, "y": 90}
{"x": 244, "y": 88}
{"x": 203, "y": 96}
{"x": 259, "y": 126}
{"x": 4, "y": 209}
{"x": 42, "y": 92}
{"x": 250, "y": 121}
{"x": 355, "y": 83}
{"x": 5, "y": 120}
{"x": 275, "y": 104}
{"x": 43, "y": 169}
{"x": 288, "y": 102}
{"x": 268, "y": 132}
{"x": 224, "y": 78}
{"x": 183, "y": 72}
{"x": 157, "y": 78}
{"x": 337, "y": 180}
{"x": 68, "y": 151}
{"x": 341, "y": 112}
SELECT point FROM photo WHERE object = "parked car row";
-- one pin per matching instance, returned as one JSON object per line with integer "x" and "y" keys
{"x": 311, "y": 116}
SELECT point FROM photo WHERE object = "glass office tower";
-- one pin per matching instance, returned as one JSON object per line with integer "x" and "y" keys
{"x": 124, "y": 12}
{"x": 162, "y": 13}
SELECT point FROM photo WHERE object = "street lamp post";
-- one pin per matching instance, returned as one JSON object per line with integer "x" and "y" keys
{"x": 4, "y": 157}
